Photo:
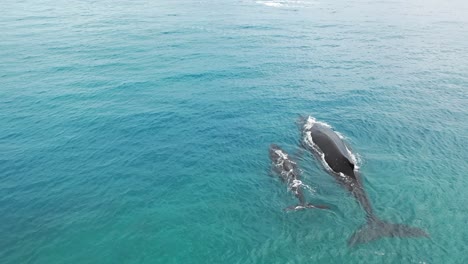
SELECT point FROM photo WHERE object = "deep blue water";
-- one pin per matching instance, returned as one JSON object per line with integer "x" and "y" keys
{"x": 138, "y": 131}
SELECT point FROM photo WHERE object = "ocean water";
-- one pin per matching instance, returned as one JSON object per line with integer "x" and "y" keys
{"x": 138, "y": 131}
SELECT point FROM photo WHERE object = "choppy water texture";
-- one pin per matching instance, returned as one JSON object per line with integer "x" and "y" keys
{"x": 138, "y": 131}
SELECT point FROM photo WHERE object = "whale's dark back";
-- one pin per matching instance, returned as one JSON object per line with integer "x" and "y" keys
{"x": 334, "y": 149}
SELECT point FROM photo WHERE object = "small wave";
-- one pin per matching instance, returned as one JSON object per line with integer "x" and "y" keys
{"x": 285, "y": 3}
{"x": 270, "y": 3}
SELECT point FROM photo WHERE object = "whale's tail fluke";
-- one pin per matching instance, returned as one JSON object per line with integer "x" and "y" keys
{"x": 306, "y": 206}
{"x": 376, "y": 229}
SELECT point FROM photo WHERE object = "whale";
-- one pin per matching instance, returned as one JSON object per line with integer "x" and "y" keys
{"x": 290, "y": 173}
{"x": 329, "y": 147}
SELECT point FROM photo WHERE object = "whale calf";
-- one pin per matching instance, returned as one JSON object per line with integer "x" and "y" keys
{"x": 329, "y": 147}
{"x": 290, "y": 173}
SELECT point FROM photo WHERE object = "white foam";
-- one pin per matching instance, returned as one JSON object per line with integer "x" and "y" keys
{"x": 354, "y": 159}
{"x": 296, "y": 183}
{"x": 299, "y": 184}
{"x": 309, "y": 123}
{"x": 270, "y": 3}
{"x": 282, "y": 155}
{"x": 288, "y": 3}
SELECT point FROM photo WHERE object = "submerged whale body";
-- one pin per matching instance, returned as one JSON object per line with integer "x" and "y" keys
{"x": 329, "y": 148}
{"x": 290, "y": 173}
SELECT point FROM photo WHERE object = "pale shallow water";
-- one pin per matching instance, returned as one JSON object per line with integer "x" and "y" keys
{"x": 138, "y": 131}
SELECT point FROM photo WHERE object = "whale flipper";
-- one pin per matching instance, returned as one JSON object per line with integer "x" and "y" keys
{"x": 377, "y": 229}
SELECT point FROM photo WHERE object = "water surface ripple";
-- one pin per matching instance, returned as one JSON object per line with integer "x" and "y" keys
{"x": 138, "y": 131}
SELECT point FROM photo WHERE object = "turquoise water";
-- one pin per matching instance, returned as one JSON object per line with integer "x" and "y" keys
{"x": 138, "y": 131}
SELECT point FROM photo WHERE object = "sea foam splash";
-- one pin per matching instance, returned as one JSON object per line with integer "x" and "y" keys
{"x": 270, "y": 3}
{"x": 285, "y": 3}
